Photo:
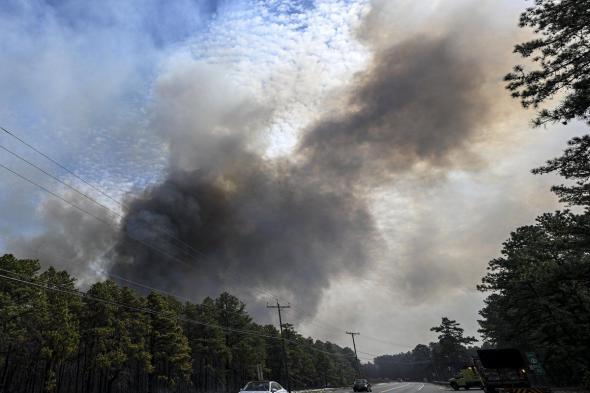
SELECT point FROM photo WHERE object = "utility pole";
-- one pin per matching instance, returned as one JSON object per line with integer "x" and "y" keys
{"x": 352, "y": 334}
{"x": 285, "y": 360}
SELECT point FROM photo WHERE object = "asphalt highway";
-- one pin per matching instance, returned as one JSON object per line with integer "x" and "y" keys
{"x": 403, "y": 387}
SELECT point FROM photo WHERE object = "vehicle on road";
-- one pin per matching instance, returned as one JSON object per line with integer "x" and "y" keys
{"x": 263, "y": 387}
{"x": 466, "y": 378}
{"x": 361, "y": 385}
{"x": 504, "y": 371}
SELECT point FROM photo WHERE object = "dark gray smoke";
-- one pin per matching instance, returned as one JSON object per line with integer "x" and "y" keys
{"x": 291, "y": 226}
{"x": 421, "y": 102}
{"x": 255, "y": 226}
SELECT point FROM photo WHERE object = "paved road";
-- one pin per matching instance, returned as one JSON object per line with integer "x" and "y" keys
{"x": 403, "y": 387}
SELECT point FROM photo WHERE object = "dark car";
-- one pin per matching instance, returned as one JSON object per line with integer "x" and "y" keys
{"x": 361, "y": 385}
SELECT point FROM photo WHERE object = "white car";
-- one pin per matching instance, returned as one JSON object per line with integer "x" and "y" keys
{"x": 263, "y": 387}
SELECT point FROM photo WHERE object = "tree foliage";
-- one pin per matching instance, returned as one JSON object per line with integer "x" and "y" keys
{"x": 111, "y": 339}
{"x": 540, "y": 294}
{"x": 574, "y": 165}
{"x": 437, "y": 361}
{"x": 539, "y": 289}
{"x": 561, "y": 50}
{"x": 451, "y": 349}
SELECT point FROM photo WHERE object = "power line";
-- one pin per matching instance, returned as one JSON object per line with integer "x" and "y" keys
{"x": 196, "y": 253}
{"x": 88, "y": 213}
{"x": 59, "y": 165}
{"x": 153, "y": 312}
{"x": 384, "y": 341}
{"x": 99, "y": 204}
{"x": 89, "y": 184}
{"x": 161, "y": 230}
{"x": 126, "y": 280}
{"x": 138, "y": 284}
{"x": 59, "y": 180}
{"x": 321, "y": 323}
{"x": 368, "y": 353}
{"x": 95, "y": 217}
{"x": 134, "y": 308}
{"x": 266, "y": 293}
{"x": 11, "y": 133}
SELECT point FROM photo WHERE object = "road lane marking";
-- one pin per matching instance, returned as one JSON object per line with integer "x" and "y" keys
{"x": 421, "y": 387}
{"x": 396, "y": 387}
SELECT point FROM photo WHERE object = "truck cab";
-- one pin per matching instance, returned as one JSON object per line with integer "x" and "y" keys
{"x": 466, "y": 378}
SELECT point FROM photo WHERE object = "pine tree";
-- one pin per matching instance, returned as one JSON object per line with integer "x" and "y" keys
{"x": 59, "y": 328}
{"x": 168, "y": 344}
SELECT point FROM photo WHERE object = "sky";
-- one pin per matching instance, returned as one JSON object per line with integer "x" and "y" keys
{"x": 359, "y": 159}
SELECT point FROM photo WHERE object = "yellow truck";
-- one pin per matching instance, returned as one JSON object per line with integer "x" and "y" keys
{"x": 504, "y": 370}
{"x": 466, "y": 378}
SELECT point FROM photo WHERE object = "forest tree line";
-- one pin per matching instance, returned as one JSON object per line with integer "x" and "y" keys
{"x": 437, "y": 361}
{"x": 111, "y": 339}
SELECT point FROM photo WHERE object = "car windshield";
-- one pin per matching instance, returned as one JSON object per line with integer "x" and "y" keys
{"x": 257, "y": 386}
{"x": 360, "y": 381}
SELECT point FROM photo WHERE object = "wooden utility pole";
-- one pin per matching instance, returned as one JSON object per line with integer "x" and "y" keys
{"x": 285, "y": 360}
{"x": 352, "y": 334}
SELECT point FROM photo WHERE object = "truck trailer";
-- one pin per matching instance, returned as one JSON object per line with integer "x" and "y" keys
{"x": 504, "y": 371}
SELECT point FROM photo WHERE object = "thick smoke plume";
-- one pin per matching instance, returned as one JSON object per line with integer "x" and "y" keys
{"x": 420, "y": 103}
{"x": 292, "y": 224}
{"x": 256, "y": 226}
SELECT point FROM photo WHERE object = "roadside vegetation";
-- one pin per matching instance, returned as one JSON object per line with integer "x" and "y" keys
{"x": 111, "y": 339}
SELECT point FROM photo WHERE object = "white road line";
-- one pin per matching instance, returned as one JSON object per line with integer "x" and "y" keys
{"x": 421, "y": 387}
{"x": 396, "y": 387}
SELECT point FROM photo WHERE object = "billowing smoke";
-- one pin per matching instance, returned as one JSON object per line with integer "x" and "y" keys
{"x": 228, "y": 218}
{"x": 256, "y": 226}
{"x": 420, "y": 103}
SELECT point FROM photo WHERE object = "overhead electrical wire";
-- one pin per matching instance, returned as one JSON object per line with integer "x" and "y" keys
{"x": 154, "y": 312}
{"x": 139, "y": 309}
{"x": 168, "y": 233}
{"x": 101, "y": 220}
{"x": 266, "y": 293}
{"x": 199, "y": 253}
{"x": 87, "y": 212}
{"x": 60, "y": 181}
{"x": 59, "y": 165}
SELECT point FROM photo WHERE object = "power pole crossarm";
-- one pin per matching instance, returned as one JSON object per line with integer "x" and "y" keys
{"x": 285, "y": 360}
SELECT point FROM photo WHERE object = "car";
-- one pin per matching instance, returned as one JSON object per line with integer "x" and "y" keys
{"x": 263, "y": 387}
{"x": 361, "y": 385}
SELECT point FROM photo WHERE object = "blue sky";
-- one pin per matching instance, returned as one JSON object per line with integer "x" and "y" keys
{"x": 106, "y": 88}
{"x": 84, "y": 73}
